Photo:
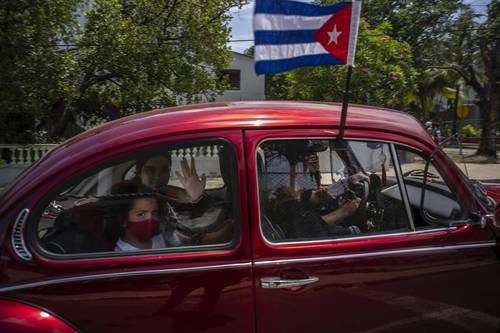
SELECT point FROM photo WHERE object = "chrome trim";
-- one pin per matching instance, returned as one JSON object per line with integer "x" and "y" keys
{"x": 323, "y": 138}
{"x": 401, "y": 185}
{"x": 17, "y": 237}
{"x": 279, "y": 283}
{"x": 493, "y": 218}
{"x": 371, "y": 254}
{"x": 334, "y": 240}
{"x": 115, "y": 275}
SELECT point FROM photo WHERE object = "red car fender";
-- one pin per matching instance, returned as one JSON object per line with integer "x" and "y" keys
{"x": 18, "y": 317}
{"x": 493, "y": 190}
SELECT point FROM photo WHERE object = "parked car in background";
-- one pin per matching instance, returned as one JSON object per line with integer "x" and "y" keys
{"x": 301, "y": 230}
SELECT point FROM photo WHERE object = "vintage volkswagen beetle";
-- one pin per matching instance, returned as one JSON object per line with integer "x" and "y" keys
{"x": 415, "y": 248}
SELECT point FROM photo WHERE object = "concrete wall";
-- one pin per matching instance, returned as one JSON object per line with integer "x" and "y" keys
{"x": 252, "y": 87}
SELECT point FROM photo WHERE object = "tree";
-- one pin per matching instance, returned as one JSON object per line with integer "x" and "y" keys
{"x": 383, "y": 74}
{"x": 421, "y": 24}
{"x": 447, "y": 34}
{"x": 34, "y": 73}
{"x": 476, "y": 57}
{"x": 135, "y": 54}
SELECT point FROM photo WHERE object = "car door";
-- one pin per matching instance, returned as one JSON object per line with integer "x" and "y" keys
{"x": 384, "y": 269}
{"x": 69, "y": 265}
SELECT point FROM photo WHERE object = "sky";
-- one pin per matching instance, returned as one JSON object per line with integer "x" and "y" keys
{"x": 241, "y": 26}
{"x": 241, "y": 23}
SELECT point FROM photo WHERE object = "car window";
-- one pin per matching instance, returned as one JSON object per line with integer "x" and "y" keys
{"x": 440, "y": 200}
{"x": 320, "y": 189}
{"x": 178, "y": 198}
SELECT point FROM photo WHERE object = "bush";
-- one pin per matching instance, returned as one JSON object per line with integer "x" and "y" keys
{"x": 470, "y": 131}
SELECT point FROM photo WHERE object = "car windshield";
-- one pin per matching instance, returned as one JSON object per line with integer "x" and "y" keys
{"x": 474, "y": 184}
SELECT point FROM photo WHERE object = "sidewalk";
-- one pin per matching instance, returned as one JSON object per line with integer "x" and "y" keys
{"x": 487, "y": 172}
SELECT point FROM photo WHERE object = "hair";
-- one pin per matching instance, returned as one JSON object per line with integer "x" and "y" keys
{"x": 139, "y": 163}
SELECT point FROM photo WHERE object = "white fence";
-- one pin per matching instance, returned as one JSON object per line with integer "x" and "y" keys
{"x": 24, "y": 154}
{"x": 27, "y": 154}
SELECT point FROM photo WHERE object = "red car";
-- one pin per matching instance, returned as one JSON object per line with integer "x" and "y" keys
{"x": 250, "y": 217}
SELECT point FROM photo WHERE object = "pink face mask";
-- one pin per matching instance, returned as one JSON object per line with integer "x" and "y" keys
{"x": 144, "y": 230}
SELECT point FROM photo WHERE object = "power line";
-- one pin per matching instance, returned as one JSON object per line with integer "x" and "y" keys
{"x": 77, "y": 45}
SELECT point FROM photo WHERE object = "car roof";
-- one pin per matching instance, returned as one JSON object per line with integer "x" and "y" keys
{"x": 229, "y": 115}
{"x": 262, "y": 114}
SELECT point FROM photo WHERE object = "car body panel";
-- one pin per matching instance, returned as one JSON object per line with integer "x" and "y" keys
{"x": 18, "y": 317}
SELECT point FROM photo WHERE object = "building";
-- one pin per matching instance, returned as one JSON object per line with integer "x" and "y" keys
{"x": 244, "y": 84}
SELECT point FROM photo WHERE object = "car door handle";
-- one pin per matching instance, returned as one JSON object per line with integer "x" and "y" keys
{"x": 276, "y": 282}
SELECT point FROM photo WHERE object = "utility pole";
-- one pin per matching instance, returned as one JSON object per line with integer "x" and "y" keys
{"x": 455, "y": 113}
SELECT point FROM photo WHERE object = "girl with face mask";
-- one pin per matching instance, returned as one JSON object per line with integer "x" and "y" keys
{"x": 139, "y": 217}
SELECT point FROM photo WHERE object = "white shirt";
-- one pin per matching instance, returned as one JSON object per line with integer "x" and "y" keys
{"x": 158, "y": 243}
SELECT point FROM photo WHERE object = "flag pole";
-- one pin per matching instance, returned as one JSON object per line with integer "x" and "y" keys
{"x": 345, "y": 103}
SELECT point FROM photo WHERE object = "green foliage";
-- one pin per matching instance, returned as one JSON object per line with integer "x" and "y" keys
{"x": 470, "y": 131}
{"x": 137, "y": 54}
{"x": 423, "y": 25}
{"x": 33, "y": 73}
{"x": 383, "y": 74}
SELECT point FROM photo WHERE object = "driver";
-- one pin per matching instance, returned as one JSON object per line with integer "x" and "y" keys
{"x": 337, "y": 203}
{"x": 321, "y": 211}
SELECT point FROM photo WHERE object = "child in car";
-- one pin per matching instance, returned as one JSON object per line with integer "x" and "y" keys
{"x": 138, "y": 216}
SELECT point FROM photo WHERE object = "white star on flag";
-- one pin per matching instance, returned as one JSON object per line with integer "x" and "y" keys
{"x": 334, "y": 34}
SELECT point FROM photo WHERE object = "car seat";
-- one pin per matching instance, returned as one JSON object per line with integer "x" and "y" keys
{"x": 80, "y": 229}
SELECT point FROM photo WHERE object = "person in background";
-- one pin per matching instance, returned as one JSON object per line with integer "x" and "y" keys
{"x": 436, "y": 133}
{"x": 428, "y": 127}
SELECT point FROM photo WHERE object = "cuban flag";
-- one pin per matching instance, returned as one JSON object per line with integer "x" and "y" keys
{"x": 291, "y": 34}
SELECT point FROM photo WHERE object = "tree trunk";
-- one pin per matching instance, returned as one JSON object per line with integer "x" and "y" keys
{"x": 490, "y": 110}
{"x": 487, "y": 146}
{"x": 60, "y": 118}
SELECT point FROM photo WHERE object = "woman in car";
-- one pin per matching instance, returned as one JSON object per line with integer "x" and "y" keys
{"x": 193, "y": 217}
{"x": 154, "y": 172}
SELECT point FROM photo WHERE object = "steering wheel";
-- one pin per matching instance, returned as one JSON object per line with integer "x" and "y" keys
{"x": 364, "y": 193}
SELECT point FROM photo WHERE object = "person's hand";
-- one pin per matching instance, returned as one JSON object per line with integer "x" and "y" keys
{"x": 318, "y": 196}
{"x": 356, "y": 180}
{"x": 349, "y": 207}
{"x": 193, "y": 184}
{"x": 340, "y": 214}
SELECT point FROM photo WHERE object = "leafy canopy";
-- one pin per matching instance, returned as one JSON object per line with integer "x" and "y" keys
{"x": 135, "y": 54}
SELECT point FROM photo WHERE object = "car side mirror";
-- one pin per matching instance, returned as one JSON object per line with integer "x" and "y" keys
{"x": 475, "y": 218}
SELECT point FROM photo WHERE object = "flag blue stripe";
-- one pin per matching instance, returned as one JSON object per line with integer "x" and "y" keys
{"x": 284, "y": 37}
{"x": 286, "y": 7}
{"x": 276, "y": 66}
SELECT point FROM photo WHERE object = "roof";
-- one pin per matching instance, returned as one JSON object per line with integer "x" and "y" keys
{"x": 258, "y": 114}
{"x": 242, "y": 54}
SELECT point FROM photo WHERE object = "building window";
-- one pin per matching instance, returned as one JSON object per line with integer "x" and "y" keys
{"x": 232, "y": 77}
